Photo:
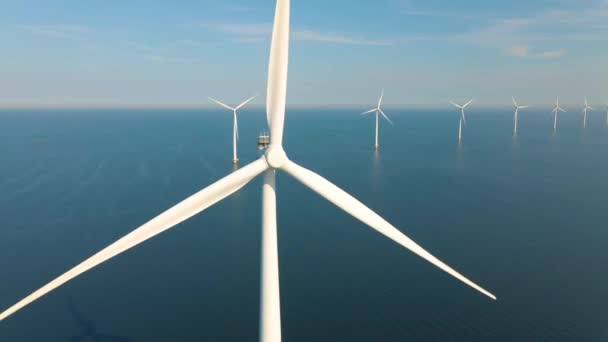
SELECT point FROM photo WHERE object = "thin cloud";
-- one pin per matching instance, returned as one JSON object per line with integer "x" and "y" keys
{"x": 61, "y": 31}
{"x": 254, "y": 33}
{"x": 524, "y": 52}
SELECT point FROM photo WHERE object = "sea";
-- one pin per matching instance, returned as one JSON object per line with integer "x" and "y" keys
{"x": 525, "y": 218}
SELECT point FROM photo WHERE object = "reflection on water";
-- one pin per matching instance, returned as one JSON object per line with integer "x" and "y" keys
{"x": 88, "y": 328}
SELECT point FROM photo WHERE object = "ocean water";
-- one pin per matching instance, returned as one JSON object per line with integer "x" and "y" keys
{"x": 526, "y": 219}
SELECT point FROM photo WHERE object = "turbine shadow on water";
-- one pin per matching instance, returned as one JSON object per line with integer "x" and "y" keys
{"x": 88, "y": 328}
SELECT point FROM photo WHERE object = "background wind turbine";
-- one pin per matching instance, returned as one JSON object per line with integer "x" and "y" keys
{"x": 235, "y": 124}
{"x": 463, "y": 119}
{"x": 378, "y": 110}
{"x": 275, "y": 159}
{"x": 587, "y": 108}
{"x": 555, "y": 111}
{"x": 517, "y": 108}
{"x": 606, "y": 114}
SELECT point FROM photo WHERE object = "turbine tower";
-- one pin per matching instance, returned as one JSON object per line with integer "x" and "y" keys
{"x": 463, "y": 119}
{"x": 378, "y": 110}
{"x": 235, "y": 124}
{"x": 275, "y": 159}
{"x": 555, "y": 111}
{"x": 517, "y": 108}
{"x": 587, "y": 108}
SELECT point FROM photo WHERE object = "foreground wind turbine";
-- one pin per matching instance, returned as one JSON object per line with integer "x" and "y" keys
{"x": 587, "y": 108}
{"x": 517, "y": 108}
{"x": 378, "y": 110}
{"x": 235, "y": 124}
{"x": 462, "y": 117}
{"x": 275, "y": 159}
{"x": 555, "y": 111}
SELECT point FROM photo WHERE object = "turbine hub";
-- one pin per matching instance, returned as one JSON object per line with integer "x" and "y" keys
{"x": 275, "y": 156}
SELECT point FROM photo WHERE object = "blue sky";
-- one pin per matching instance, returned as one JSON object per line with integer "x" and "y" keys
{"x": 176, "y": 53}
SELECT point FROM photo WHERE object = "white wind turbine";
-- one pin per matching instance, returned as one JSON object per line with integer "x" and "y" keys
{"x": 463, "y": 119}
{"x": 555, "y": 111}
{"x": 275, "y": 159}
{"x": 378, "y": 110}
{"x": 587, "y": 108}
{"x": 235, "y": 124}
{"x": 517, "y": 108}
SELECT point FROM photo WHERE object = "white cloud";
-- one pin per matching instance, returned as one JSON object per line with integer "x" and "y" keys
{"x": 61, "y": 31}
{"x": 524, "y": 51}
{"x": 254, "y": 33}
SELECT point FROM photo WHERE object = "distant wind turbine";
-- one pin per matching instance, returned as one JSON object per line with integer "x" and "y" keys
{"x": 463, "y": 118}
{"x": 517, "y": 108}
{"x": 587, "y": 108}
{"x": 235, "y": 124}
{"x": 274, "y": 159}
{"x": 606, "y": 114}
{"x": 378, "y": 110}
{"x": 555, "y": 111}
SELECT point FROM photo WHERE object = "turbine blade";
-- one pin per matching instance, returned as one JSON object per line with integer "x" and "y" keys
{"x": 221, "y": 104}
{"x": 386, "y": 117}
{"x": 277, "y": 72}
{"x": 455, "y": 105}
{"x": 178, "y": 213}
{"x": 467, "y": 104}
{"x": 523, "y": 107}
{"x": 514, "y": 102}
{"x": 236, "y": 126}
{"x": 244, "y": 103}
{"x": 359, "y": 211}
{"x": 464, "y": 118}
{"x": 369, "y": 111}
{"x": 562, "y": 109}
{"x": 380, "y": 100}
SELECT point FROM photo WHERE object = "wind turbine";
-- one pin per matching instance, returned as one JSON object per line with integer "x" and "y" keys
{"x": 587, "y": 108}
{"x": 462, "y": 117}
{"x": 555, "y": 111}
{"x": 517, "y": 108}
{"x": 235, "y": 124}
{"x": 275, "y": 159}
{"x": 606, "y": 114}
{"x": 378, "y": 110}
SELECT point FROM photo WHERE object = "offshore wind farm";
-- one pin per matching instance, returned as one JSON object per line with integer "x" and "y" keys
{"x": 254, "y": 246}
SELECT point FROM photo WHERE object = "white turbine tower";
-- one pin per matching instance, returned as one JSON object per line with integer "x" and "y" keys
{"x": 517, "y": 108}
{"x": 235, "y": 124}
{"x": 587, "y": 108}
{"x": 275, "y": 159}
{"x": 555, "y": 111}
{"x": 378, "y": 110}
{"x": 462, "y": 117}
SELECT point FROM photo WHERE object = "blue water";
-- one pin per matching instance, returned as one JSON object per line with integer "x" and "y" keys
{"x": 526, "y": 219}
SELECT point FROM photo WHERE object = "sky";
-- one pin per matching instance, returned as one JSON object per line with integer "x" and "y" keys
{"x": 122, "y": 53}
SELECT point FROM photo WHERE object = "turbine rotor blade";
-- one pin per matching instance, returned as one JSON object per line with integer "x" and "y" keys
{"x": 455, "y": 105}
{"x": 178, "y": 213}
{"x": 221, "y": 104}
{"x": 467, "y": 104}
{"x": 359, "y": 211}
{"x": 385, "y": 116}
{"x": 244, "y": 103}
{"x": 277, "y": 72}
{"x": 523, "y": 107}
{"x": 380, "y": 100}
{"x": 236, "y": 125}
{"x": 369, "y": 111}
{"x": 514, "y": 102}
